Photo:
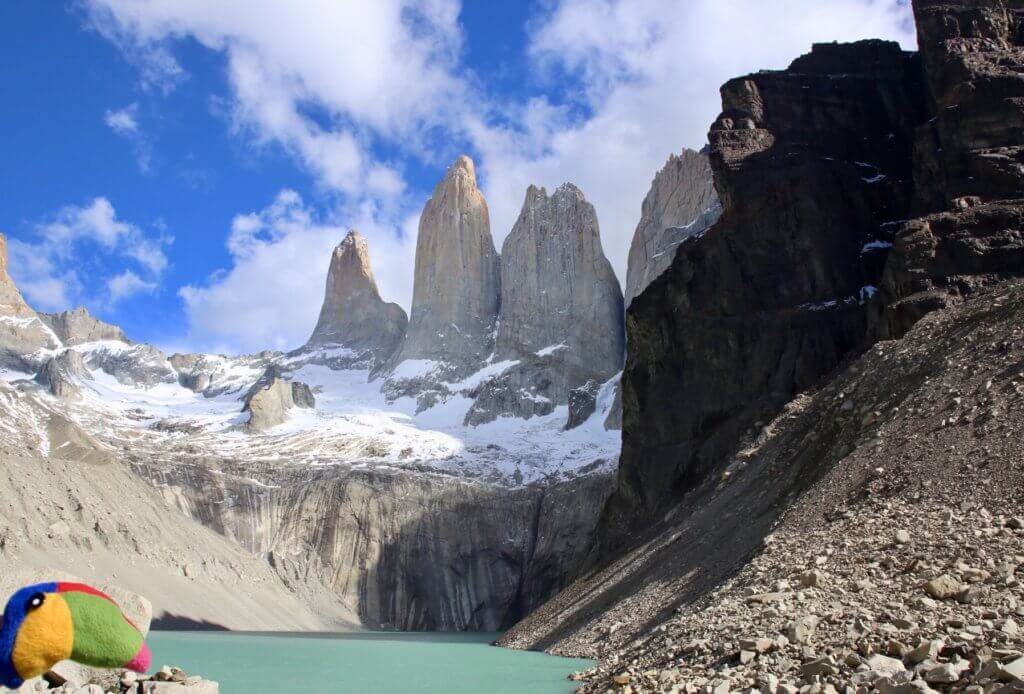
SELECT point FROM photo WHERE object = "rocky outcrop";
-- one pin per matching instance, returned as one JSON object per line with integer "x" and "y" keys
{"x": 21, "y": 331}
{"x": 969, "y": 164}
{"x": 682, "y": 203}
{"x": 78, "y": 327}
{"x": 406, "y": 551}
{"x": 560, "y": 325}
{"x": 353, "y": 314}
{"x": 62, "y": 374}
{"x": 457, "y": 280}
{"x": 813, "y": 166}
{"x": 270, "y": 398}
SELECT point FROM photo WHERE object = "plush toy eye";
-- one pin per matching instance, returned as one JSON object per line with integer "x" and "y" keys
{"x": 36, "y": 601}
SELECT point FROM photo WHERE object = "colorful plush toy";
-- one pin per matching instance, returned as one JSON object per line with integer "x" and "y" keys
{"x": 50, "y": 622}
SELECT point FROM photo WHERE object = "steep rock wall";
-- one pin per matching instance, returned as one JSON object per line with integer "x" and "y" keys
{"x": 813, "y": 165}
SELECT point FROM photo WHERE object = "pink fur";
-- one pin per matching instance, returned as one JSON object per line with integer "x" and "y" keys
{"x": 141, "y": 661}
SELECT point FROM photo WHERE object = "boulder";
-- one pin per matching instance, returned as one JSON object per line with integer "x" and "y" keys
{"x": 270, "y": 398}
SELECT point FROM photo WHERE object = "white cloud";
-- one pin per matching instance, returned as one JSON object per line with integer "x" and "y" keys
{"x": 128, "y": 284}
{"x": 91, "y": 236}
{"x": 323, "y": 78}
{"x": 125, "y": 122}
{"x": 271, "y": 295}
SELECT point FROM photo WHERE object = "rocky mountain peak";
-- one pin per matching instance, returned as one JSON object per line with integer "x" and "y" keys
{"x": 561, "y": 307}
{"x": 79, "y": 326}
{"x": 457, "y": 277}
{"x": 353, "y": 312}
{"x": 682, "y": 203}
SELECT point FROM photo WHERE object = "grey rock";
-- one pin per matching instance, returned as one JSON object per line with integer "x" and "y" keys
{"x": 62, "y": 374}
{"x": 78, "y": 327}
{"x": 561, "y": 306}
{"x": 353, "y": 314}
{"x": 270, "y": 398}
{"x": 682, "y": 203}
{"x": 456, "y": 287}
{"x": 582, "y": 403}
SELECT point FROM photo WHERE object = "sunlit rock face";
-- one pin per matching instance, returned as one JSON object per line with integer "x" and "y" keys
{"x": 682, "y": 203}
{"x": 353, "y": 314}
{"x": 561, "y": 324}
{"x": 456, "y": 289}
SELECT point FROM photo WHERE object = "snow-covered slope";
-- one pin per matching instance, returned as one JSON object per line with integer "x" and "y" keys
{"x": 134, "y": 397}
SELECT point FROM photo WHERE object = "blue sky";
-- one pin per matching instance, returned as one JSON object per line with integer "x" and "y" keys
{"x": 182, "y": 168}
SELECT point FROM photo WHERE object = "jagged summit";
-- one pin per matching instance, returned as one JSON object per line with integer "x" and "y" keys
{"x": 561, "y": 320}
{"x": 79, "y": 326}
{"x": 457, "y": 277}
{"x": 681, "y": 203}
{"x": 354, "y": 314}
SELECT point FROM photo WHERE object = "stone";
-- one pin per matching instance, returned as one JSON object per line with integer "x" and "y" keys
{"x": 353, "y": 314}
{"x": 943, "y": 587}
{"x": 271, "y": 397}
{"x": 761, "y": 645}
{"x": 884, "y": 665}
{"x": 927, "y": 649}
{"x": 801, "y": 629}
{"x": 681, "y": 203}
{"x": 819, "y": 667}
{"x": 811, "y": 579}
{"x": 902, "y": 537}
{"x": 943, "y": 673}
{"x": 457, "y": 280}
{"x": 1012, "y": 671}
{"x": 582, "y": 404}
{"x": 621, "y": 679}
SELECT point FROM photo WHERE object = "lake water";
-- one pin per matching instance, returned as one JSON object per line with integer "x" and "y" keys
{"x": 382, "y": 663}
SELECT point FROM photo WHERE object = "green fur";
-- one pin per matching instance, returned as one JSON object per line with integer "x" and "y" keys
{"x": 103, "y": 637}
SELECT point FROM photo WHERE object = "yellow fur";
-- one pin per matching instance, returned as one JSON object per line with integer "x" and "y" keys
{"x": 46, "y": 637}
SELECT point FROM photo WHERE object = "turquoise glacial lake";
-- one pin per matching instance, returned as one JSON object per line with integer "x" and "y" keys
{"x": 377, "y": 662}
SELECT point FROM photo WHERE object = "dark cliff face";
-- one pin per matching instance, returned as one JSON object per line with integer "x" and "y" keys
{"x": 813, "y": 165}
{"x": 820, "y": 169}
{"x": 969, "y": 164}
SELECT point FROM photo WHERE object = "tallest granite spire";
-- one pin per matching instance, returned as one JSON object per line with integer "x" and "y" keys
{"x": 457, "y": 282}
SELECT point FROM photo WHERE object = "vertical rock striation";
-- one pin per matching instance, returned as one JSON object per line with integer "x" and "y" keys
{"x": 353, "y": 314}
{"x": 561, "y": 308}
{"x": 813, "y": 166}
{"x": 682, "y": 203}
{"x": 457, "y": 277}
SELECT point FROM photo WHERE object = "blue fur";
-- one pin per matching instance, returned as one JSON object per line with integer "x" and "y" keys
{"x": 14, "y": 615}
